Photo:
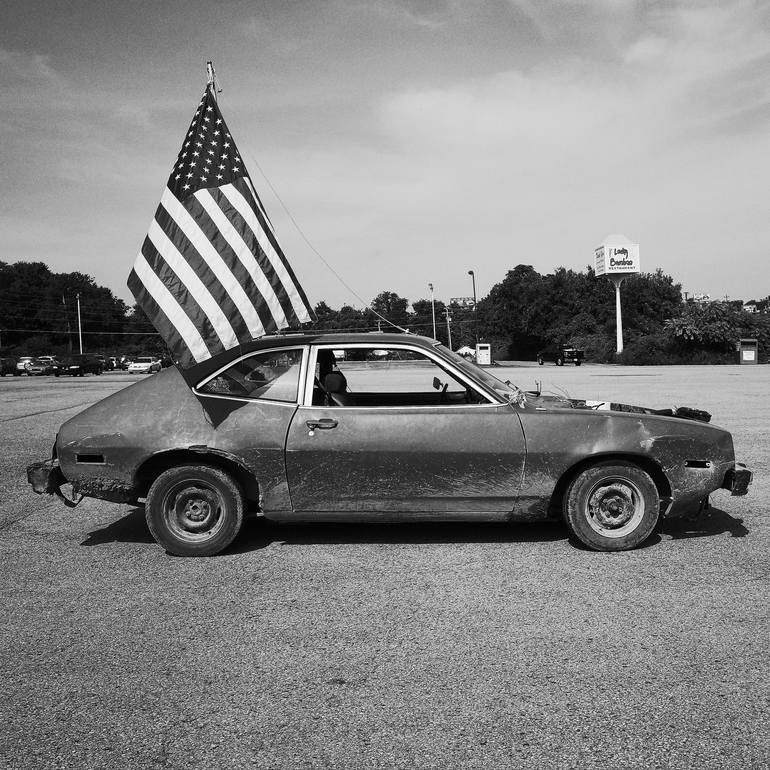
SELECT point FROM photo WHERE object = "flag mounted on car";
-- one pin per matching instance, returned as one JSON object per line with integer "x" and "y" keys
{"x": 210, "y": 274}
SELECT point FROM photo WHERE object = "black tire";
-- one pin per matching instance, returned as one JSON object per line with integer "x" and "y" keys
{"x": 577, "y": 363}
{"x": 612, "y": 506}
{"x": 194, "y": 510}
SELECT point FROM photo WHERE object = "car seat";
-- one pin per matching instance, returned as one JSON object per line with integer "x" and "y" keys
{"x": 335, "y": 386}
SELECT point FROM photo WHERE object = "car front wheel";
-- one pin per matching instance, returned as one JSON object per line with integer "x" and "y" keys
{"x": 612, "y": 506}
{"x": 194, "y": 510}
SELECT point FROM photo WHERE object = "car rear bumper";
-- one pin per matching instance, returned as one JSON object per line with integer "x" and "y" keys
{"x": 47, "y": 478}
{"x": 738, "y": 479}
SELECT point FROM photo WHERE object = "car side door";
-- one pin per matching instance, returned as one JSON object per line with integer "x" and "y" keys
{"x": 427, "y": 453}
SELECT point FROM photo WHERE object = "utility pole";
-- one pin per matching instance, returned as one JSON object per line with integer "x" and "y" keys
{"x": 448, "y": 328}
{"x": 475, "y": 316}
{"x": 433, "y": 309}
{"x": 67, "y": 319}
{"x": 80, "y": 331}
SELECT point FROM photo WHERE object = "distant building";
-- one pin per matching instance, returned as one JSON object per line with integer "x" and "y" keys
{"x": 757, "y": 306}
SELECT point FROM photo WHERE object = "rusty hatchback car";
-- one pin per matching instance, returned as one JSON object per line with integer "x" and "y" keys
{"x": 381, "y": 427}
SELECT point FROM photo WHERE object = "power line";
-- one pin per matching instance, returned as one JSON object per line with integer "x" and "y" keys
{"x": 315, "y": 250}
{"x": 63, "y": 333}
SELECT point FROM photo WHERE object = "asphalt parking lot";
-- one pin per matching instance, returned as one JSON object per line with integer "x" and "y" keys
{"x": 362, "y": 646}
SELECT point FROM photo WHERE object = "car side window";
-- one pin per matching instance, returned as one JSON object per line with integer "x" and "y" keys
{"x": 385, "y": 376}
{"x": 272, "y": 376}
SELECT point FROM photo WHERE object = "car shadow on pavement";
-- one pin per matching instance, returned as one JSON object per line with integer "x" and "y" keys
{"x": 713, "y": 521}
{"x": 131, "y": 528}
{"x": 259, "y": 533}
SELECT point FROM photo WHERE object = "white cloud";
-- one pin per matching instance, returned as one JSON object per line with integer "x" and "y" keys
{"x": 536, "y": 166}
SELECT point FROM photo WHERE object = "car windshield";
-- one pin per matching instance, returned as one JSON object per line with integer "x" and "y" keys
{"x": 507, "y": 390}
{"x": 143, "y": 360}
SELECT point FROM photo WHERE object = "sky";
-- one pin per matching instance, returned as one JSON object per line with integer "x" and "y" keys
{"x": 410, "y": 141}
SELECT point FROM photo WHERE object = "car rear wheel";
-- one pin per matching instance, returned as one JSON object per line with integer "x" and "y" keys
{"x": 612, "y": 506}
{"x": 194, "y": 510}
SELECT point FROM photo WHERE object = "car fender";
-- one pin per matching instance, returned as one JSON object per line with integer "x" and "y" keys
{"x": 693, "y": 457}
{"x": 107, "y": 450}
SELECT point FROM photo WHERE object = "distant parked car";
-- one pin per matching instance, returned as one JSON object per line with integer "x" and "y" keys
{"x": 144, "y": 365}
{"x": 23, "y": 364}
{"x": 8, "y": 366}
{"x": 77, "y": 366}
{"x": 41, "y": 366}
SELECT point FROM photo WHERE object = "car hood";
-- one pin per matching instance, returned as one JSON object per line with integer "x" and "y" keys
{"x": 539, "y": 400}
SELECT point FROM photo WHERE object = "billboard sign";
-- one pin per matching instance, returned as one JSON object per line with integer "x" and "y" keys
{"x": 616, "y": 257}
{"x": 461, "y": 301}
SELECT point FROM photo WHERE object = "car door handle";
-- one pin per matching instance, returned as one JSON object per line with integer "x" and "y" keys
{"x": 324, "y": 424}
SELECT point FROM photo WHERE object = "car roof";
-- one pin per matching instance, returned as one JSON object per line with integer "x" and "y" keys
{"x": 290, "y": 340}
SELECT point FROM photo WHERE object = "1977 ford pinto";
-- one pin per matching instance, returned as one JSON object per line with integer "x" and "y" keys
{"x": 380, "y": 427}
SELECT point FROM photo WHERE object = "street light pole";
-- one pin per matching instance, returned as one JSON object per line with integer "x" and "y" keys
{"x": 475, "y": 315}
{"x": 80, "y": 331}
{"x": 432, "y": 309}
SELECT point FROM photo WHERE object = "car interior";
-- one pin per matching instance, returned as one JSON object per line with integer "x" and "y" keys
{"x": 386, "y": 377}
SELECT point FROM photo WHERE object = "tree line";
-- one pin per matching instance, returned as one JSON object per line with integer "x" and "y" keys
{"x": 524, "y": 313}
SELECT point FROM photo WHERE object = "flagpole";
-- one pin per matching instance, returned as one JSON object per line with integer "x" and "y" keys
{"x": 212, "y": 82}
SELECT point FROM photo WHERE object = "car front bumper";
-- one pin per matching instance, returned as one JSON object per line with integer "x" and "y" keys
{"x": 738, "y": 479}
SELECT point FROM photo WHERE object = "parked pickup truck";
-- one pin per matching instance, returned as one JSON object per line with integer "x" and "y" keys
{"x": 561, "y": 355}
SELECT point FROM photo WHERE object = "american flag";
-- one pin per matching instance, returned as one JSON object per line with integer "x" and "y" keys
{"x": 211, "y": 274}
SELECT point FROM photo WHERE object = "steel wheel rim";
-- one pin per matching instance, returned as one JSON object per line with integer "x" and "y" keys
{"x": 194, "y": 510}
{"x": 614, "y": 507}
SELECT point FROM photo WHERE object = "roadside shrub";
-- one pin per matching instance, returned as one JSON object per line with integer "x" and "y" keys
{"x": 599, "y": 348}
{"x": 646, "y": 351}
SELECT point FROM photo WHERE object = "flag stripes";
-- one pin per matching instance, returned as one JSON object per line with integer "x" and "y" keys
{"x": 262, "y": 229}
{"x": 177, "y": 288}
{"x": 192, "y": 222}
{"x": 226, "y": 240}
{"x": 229, "y": 203}
{"x": 216, "y": 277}
{"x": 178, "y": 326}
{"x": 210, "y": 274}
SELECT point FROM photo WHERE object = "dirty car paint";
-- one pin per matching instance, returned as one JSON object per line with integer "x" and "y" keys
{"x": 506, "y": 458}
{"x": 160, "y": 415}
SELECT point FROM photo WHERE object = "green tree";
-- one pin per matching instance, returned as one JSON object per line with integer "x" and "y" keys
{"x": 713, "y": 325}
{"x": 35, "y": 301}
{"x": 420, "y": 320}
{"x": 392, "y": 307}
